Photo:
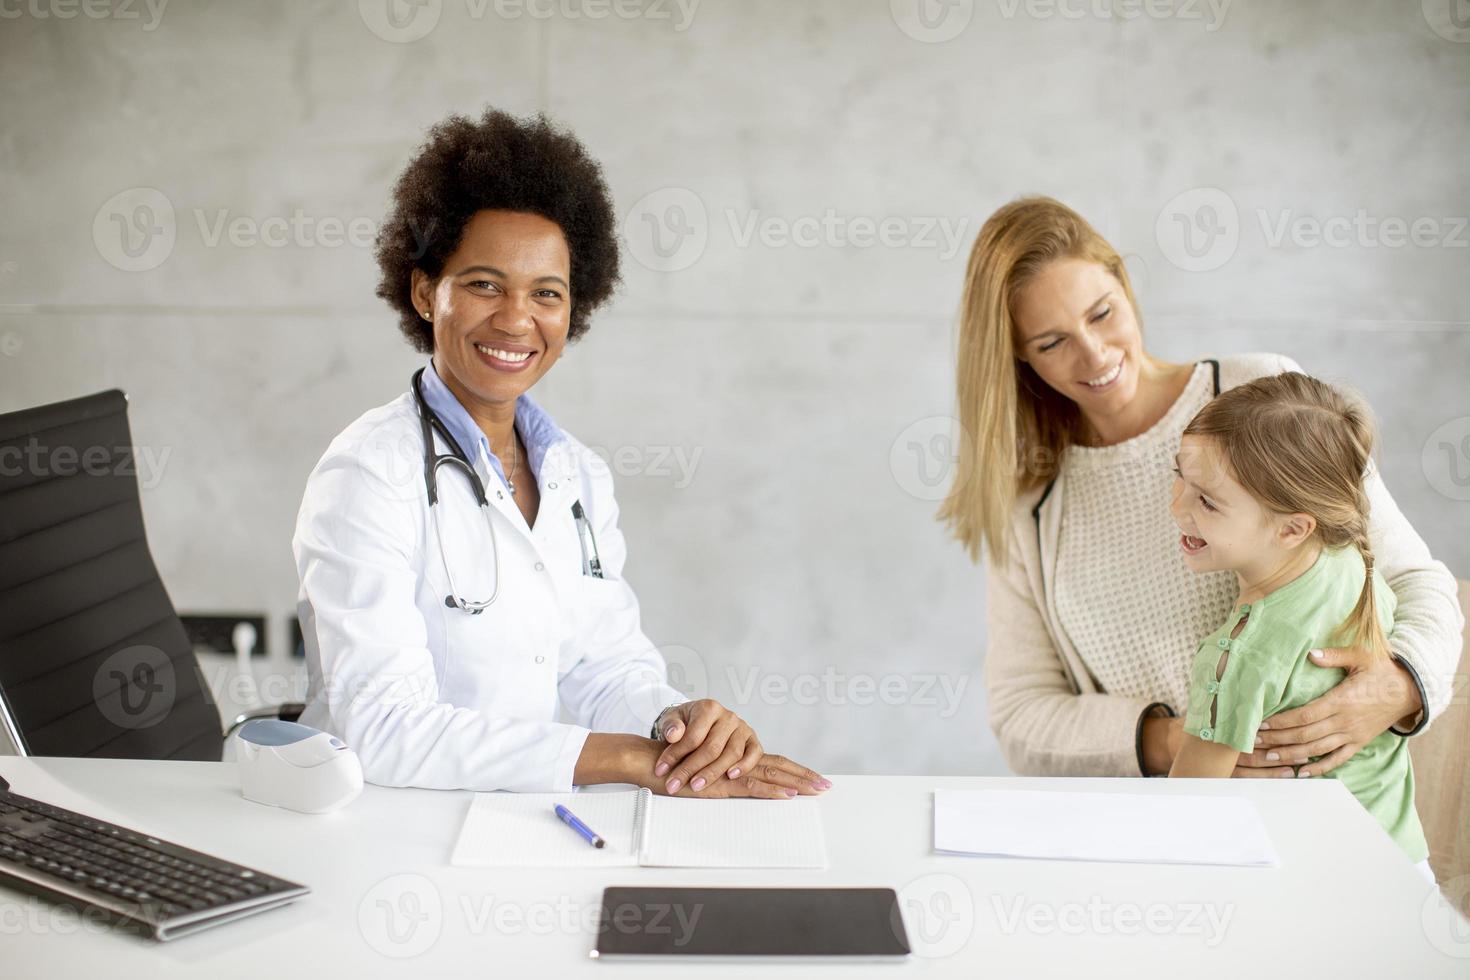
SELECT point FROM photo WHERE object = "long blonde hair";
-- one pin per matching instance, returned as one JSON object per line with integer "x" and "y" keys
{"x": 1300, "y": 446}
{"x": 1013, "y": 426}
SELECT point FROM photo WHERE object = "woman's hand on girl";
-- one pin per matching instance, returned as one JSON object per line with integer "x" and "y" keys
{"x": 1376, "y": 694}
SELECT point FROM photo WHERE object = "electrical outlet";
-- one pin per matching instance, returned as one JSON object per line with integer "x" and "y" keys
{"x": 214, "y": 631}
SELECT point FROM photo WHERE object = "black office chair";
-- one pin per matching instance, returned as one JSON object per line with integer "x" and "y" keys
{"x": 93, "y": 658}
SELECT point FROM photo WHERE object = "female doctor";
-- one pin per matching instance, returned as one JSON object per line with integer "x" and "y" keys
{"x": 459, "y": 554}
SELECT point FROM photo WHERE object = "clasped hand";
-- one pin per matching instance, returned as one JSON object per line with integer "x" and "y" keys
{"x": 712, "y": 752}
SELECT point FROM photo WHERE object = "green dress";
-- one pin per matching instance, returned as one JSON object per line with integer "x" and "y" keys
{"x": 1269, "y": 671}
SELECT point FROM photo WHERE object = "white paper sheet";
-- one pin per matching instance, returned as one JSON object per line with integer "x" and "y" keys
{"x": 1132, "y": 827}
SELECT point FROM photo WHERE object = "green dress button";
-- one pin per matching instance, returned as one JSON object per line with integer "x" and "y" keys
{"x": 1206, "y": 733}
{"x": 1224, "y": 643}
{"x": 1213, "y": 687}
{"x": 1245, "y": 607}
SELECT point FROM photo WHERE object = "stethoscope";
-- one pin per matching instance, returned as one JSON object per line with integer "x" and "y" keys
{"x": 430, "y": 423}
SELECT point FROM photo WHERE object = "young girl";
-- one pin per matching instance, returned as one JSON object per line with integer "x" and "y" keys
{"x": 1269, "y": 486}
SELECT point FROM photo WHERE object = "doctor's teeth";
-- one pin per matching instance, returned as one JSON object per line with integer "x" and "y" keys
{"x": 503, "y": 355}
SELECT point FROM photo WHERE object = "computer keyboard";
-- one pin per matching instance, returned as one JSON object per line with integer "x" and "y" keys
{"x": 149, "y": 884}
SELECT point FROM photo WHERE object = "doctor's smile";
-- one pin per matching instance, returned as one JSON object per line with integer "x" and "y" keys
{"x": 504, "y": 359}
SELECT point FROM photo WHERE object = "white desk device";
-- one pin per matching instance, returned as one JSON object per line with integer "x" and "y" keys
{"x": 297, "y": 767}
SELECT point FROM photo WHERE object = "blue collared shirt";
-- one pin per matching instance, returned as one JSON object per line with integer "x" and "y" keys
{"x": 536, "y": 428}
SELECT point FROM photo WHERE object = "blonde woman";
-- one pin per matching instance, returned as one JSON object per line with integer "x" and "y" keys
{"x": 1063, "y": 484}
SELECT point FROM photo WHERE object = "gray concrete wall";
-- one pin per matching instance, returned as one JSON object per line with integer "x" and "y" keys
{"x": 774, "y": 379}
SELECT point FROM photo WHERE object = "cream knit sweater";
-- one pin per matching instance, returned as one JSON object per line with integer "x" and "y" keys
{"x": 1096, "y": 616}
{"x": 1118, "y": 562}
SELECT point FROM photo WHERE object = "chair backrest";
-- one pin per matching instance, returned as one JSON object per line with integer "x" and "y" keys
{"x": 1442, "y": 779}
{"x": 93, "y": 658}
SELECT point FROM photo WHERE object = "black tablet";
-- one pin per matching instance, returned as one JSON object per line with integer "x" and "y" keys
{"x": 665, "y": 923}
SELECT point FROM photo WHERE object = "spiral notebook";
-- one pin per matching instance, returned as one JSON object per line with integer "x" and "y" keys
{"x": 521, "y": 830}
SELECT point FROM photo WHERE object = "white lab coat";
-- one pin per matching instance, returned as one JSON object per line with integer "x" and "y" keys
{"x": 432, "y": 696}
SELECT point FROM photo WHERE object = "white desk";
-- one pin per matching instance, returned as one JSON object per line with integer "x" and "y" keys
{"x": 1344, "y": 902}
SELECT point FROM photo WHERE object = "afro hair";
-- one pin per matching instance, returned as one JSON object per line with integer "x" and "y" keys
{"x": 498, "y": 163}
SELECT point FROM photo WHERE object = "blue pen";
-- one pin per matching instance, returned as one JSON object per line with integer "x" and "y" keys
{"x": 570, "y": 819}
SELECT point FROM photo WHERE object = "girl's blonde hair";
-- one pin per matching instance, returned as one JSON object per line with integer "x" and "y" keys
{"x": 1300, "y": 446}
{"x": 1013, "y": 426}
